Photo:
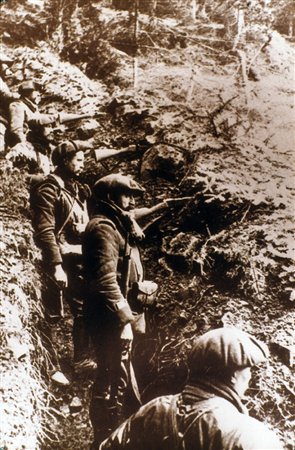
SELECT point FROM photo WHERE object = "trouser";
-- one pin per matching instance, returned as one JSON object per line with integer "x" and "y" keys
{"x": 115, "y": 393}
{"x": 2, "y": 137}
{"x": 53, "y": 298}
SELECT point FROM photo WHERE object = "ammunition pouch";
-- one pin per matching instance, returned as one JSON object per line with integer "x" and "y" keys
{"x": 145, "y": 292}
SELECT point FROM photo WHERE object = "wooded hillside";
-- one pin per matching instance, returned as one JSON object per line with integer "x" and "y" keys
{"x": 205, "y": 90}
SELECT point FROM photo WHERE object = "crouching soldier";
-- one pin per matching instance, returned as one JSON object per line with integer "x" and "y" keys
{"x": 59, "y": 206}
{"x": 209, "y": 412}
{"x": 114, "y": 275}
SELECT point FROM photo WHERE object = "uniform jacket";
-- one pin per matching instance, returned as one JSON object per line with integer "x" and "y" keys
{"x": 6, "y": 97}
{"x": 23, "y": 113}
{"x": 58, "y": 204}
{"x": 105, "y": 248}
{"x": 202, "y": 417}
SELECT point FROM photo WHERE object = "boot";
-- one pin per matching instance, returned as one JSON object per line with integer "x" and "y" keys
{"x": 81, "y": 340}
{"x": 100, "y": 418}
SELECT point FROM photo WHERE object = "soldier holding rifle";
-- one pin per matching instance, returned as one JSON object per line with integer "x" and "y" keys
{"x": 27, "y": 127}
{"x": 60, "y": 213}
{"x": 116, "y": 297}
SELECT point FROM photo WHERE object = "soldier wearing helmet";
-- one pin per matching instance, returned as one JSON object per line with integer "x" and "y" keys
{"x": 28, "y": 135}
{"x": 26, "y": 128}
{"x": 209, "y": 412}
{"x": 112, "y": 268}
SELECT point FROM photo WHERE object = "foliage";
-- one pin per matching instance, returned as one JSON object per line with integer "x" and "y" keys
{"x": 91, "y": 50}
{"x": 22, "y": 24}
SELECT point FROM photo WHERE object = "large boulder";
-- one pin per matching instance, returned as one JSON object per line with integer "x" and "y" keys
{"x": 183, "y": 252}
{"x": 163, "y": 161}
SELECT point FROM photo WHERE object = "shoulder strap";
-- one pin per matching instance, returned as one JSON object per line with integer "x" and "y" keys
{"x": 57, "y": 182}
{"x": 177, "y": 436}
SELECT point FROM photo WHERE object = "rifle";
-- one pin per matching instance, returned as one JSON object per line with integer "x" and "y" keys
{"x": 70, "y": 117}
{"x": 177, "y": 201}
{"x": 139, "y": 213}
{"x": 126, "y": 267}
{"x": 168, "y": 203}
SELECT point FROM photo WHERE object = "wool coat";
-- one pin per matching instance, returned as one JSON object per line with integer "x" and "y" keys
{"x": 22, "y": 114}
{"x": 109, "y": 252}
{"x": 58, "y": 206}
{"x": 202, "y": 417}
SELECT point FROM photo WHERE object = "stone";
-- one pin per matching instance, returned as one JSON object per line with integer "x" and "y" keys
{"x": 75, "y": 405}
{"x": 285, "y": 352}
{"x": 163, "y": 161}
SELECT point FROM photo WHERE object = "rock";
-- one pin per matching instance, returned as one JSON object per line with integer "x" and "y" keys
{"x": 88, "y": 129}
{"x": 285, "y": 352}
{"x": 183, "y": 250}
{"x": 18, "y": 349}
{"x": 163, "y": 161}
{"x": 65, "y": 410}
{"x": 75, "y": 405}
{"x": 227, "y": 320}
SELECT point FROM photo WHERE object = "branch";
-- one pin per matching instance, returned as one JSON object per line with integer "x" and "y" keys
{"x": 261, "y": 48}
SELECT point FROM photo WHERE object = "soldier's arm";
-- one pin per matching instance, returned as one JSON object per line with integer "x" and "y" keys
{"x": 5, "y": 93}
{"x": 16, "y": 121}
{"x": 44, "y": 223}
{"x": 140, "y": 213}
{"x": 43, "y": 119}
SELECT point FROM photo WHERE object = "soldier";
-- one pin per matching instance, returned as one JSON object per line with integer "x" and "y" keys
{"x": 26, "y": 127}
{"x": 6, "y": 97}
{"x": 59, "y": 205}
{"x": 209, "y": 412}
{"x": 112, "y": 269}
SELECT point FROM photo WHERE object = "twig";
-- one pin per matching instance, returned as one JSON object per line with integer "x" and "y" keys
{"x": 245, "y": 213}
{"x": 221, "y": 107}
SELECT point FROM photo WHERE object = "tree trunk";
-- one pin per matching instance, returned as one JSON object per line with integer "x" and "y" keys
{"x": 193, "y": 10}
{"x": 135, "y": 62}
{"x": 240, "y": 27}
{"x": 291, "y": 26}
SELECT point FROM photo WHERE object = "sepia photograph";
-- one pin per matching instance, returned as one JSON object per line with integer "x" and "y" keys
{"x": 147, "y": 212}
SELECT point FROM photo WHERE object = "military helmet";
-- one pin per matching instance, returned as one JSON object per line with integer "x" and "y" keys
{"x": 116, "y": 183}
{"x": 64, "y": 151}
{"x": 225, "y": 350}
{"x": 28, "y": 85}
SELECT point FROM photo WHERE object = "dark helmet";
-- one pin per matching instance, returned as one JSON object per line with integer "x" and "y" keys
{"x": 223, "y": 351}
{"x": 27, "y": 86}
{"x": 116, "y": 183}
{"x": 64, "y": 152}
